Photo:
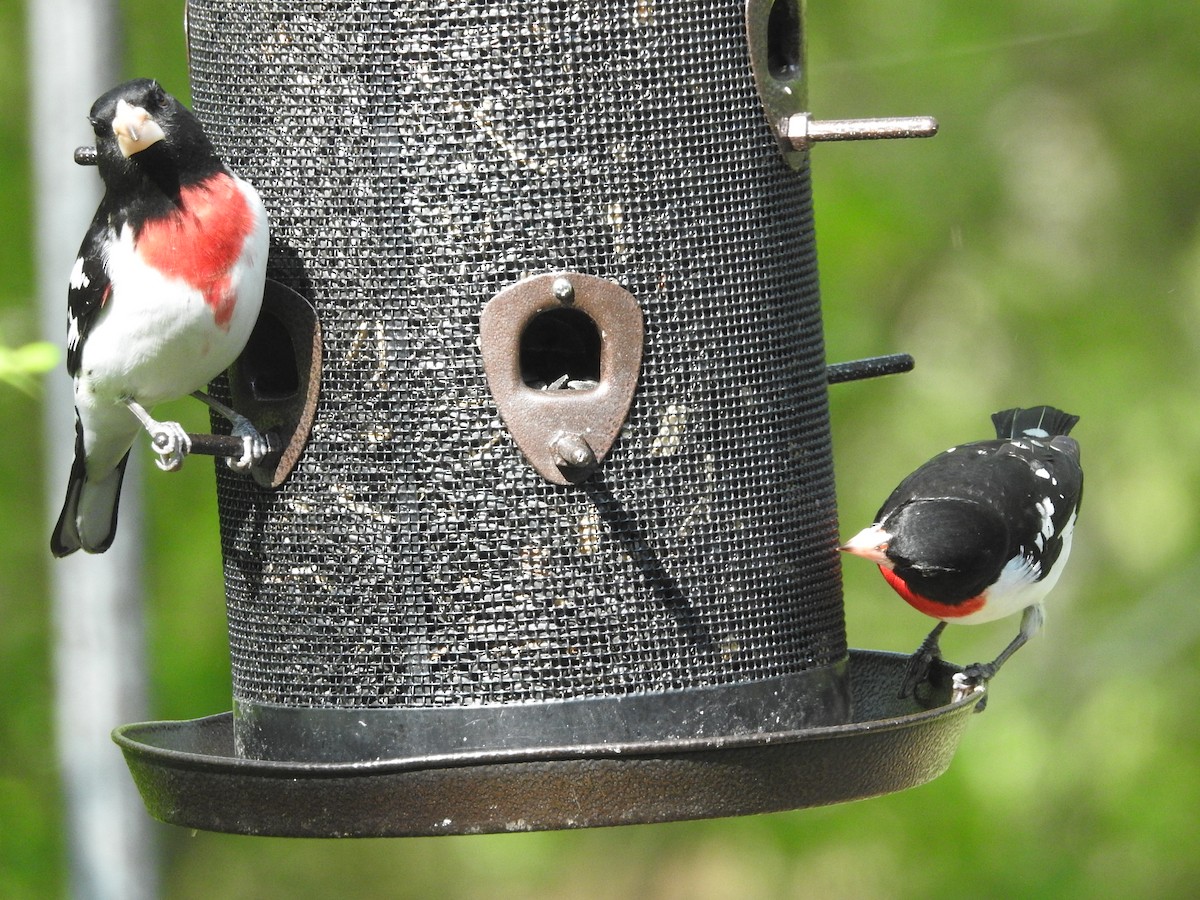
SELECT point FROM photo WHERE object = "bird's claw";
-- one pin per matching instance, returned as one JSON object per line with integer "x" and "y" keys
{"x": 966, "y": 683}
{"x": 167, "y": 439}
{"x": 921, "y": 662}
{"x": 254, "y": 446}
{"x": 917, "y": 672}
{"x": 979, "y": 673}
{"x": 171, "y": 443}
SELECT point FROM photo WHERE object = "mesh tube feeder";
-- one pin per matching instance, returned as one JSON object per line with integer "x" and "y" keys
{"x": 560, "y": 546}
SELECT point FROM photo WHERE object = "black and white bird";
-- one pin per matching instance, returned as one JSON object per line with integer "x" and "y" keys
{"x": 981, "y": 531}
{"x": 163, "y": 297}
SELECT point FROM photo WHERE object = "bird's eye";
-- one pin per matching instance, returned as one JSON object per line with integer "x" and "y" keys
{"x": 158, "y": 97}
{"x": 97, "y": 126}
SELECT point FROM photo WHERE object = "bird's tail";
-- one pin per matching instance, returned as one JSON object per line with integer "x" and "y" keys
{"x": 1036, "y": 421}
{"x": 89, "y": 514}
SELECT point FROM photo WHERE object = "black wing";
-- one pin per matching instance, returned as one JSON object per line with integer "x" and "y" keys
{"x": 1054, "y": 487}
{"x": 89, "y": 288}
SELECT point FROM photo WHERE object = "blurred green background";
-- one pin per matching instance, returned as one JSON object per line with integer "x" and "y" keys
{"x": 1043, "y": 248}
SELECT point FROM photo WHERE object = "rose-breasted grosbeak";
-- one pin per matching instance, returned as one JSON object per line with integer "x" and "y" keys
{"x": 163, "y": 297}
{"x": 981, "y": 531}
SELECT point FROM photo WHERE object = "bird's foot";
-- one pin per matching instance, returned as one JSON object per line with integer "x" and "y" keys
{"x": 980, "y": 673}
{"x": 169, "y": 440}
{"x": 921, "y": 662}
{"x": 976, "y": 676}
{"x": 917, "y": 672}
{"x": 972, "y": 679}
{"x": 172, "y": 445}
{"x": 254, "y": 445}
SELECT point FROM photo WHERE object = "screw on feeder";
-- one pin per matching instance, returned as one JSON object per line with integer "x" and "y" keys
{"x": 563, "y": 290}
{"x": 574, "y": 456}
{"x": 800, "y": 131}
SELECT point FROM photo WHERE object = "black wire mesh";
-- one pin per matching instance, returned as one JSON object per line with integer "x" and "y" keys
{"x": 419, "y": 157}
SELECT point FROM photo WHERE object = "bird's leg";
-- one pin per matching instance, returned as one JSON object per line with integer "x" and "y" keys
{"x": 168, "y": 439}
{"x": 922, "y": 659}
{"x": 1031, "y": 624}
{"x": 254, "y": 445}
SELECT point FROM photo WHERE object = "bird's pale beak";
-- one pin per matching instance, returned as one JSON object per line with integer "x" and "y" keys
{"x": 135, "y": 129}
{"x": 870, "y": 543}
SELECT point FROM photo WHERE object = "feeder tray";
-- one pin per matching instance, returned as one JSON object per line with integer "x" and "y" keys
{"x": 190, "y": 775}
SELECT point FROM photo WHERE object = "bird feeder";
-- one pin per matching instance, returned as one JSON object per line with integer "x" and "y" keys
{"x": 560, "y": 546}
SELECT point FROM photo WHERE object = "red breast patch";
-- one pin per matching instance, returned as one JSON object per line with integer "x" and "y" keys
{"x": 931, "y": 607}
{"x": 201, "y": 242}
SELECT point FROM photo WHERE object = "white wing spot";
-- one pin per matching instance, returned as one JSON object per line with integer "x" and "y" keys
{"x": 1036, "y": 432}
{"x": 1017, "y": 574}
{"x": 1041, "y": 472}
{"x": 78, "y": 278}
{"x": 1046, "y": 507}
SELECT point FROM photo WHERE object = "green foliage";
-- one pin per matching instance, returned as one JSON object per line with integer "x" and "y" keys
{"x": 19, "y": 365}
{"x": 1042, "y": 248}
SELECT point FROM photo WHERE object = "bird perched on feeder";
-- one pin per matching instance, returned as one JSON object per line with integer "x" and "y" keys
{"x": 162, "y": 299}
{"x": 981, "y": 531}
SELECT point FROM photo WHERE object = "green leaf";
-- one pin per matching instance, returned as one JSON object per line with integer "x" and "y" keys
{"x": 19, "y": 365}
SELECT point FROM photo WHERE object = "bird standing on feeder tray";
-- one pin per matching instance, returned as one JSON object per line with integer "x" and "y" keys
{"x": 163, "y": 297}
{"x": 981, "y": 531}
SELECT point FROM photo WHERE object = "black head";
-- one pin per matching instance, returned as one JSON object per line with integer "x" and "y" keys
{"x": 145, "y": 137}
{"x": 947, "y": 549}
